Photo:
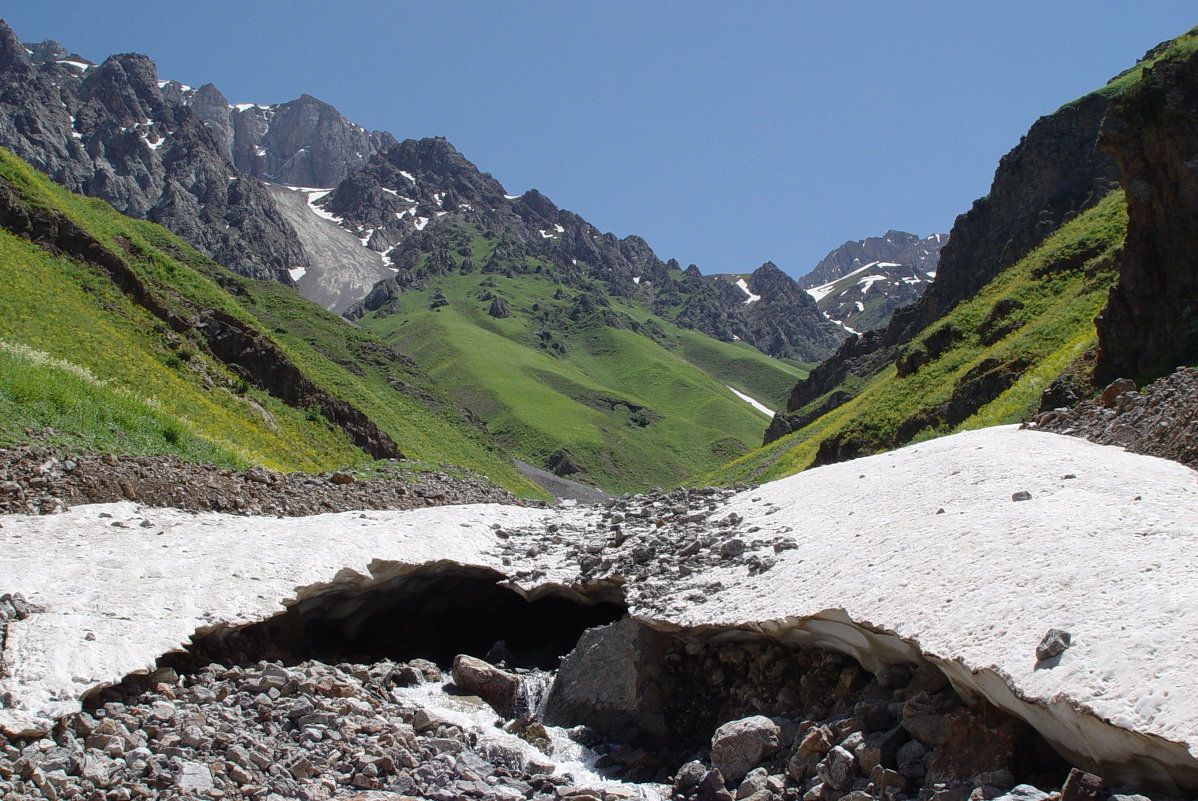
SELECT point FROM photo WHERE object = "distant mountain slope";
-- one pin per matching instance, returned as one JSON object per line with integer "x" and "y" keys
{"x": 984, "y": 363}
{"x": 413, "y": 201}
{"x": 121, "y": 337}
{"x": 571, "y": 378}
{"x": 886, "y": 273}
{"x": 1014, "y": 308}
{"x": 921, "y": 254}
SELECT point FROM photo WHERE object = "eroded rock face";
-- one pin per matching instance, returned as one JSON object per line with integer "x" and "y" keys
{"x": 1150, "y": 323}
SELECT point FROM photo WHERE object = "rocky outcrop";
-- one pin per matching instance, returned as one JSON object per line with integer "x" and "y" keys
{"x": 1150, "y": 324}
{"x": 109, "y": 131}
{"x": 1160, "y": 420}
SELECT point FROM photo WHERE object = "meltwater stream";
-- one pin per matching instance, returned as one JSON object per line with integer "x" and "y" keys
{"x": 565, "y": 757}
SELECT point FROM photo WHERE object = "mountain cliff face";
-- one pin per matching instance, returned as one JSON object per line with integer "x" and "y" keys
{"x": 213, "y": 173}
{"x": 1150, "y": 324}
{"x": 304, "y": 142}
{"x": 108, "y": 131}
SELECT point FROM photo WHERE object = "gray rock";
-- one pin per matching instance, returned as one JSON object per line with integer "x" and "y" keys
{"x": 1026, "y": 792}
{"x": 739, "y": 745}
{"x": 838, "y": 768}
{"x": 610, "y": 682}
{"x": 194, "y": 778}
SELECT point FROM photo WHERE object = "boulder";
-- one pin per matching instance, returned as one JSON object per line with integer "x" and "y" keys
{"x": 740, "y": 745}
{"x": 613, "y": 682}
{"x": 497, "y": 687}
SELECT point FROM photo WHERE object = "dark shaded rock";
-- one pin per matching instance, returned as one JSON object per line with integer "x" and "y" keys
{"x": 499, "y": 308}
{"x": 1110, "y": 394}
{"x": 1150, "y": 323}
{"x": 1081, "y": 786}
{"x": 613, "y": 682}
{"x": 560, "y": 463}
{"x": 1055, "y": 643}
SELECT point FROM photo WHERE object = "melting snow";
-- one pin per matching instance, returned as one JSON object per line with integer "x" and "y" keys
{"x": 546, "y": 235}
{"x": 744, "y": 285}
{"x": 407, "y": 175}
{"x": 930, "y": 273}
{"x": 77, "y": 64}
{"x": 314, "y": 194}
{"x": 869, "y": 281}
{"x": 860, "y": 306}
{"x": 635, "y": 279}
{"x": 511, "y": 197}
{"x": 297, "y": 273}
{"x": 559, "y": 229}
{"x": 758, "y": 405}
{"x": 1107, "y": 553}
{"x": 421, "y": 222}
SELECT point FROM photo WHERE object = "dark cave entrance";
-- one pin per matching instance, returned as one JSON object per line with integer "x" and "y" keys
{"x": 431, "y": 613}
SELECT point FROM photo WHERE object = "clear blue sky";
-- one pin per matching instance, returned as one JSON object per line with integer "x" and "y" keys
{"x": 725, "y": 133}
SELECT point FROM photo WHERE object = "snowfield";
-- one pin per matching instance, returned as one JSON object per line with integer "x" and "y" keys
{"x": 921, "y": 553}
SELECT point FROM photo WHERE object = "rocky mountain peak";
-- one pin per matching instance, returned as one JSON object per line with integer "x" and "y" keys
{"x": 126, "y": 87}
{"x": 535, "y": 207}
{"x": 13, "y": 55}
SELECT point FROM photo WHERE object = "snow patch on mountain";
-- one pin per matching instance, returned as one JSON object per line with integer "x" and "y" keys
{"x": 745, "y": 288}
{"x": 756, "y": 404}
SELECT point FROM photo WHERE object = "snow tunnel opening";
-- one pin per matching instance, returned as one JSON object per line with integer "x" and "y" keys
{"x": 433, "y": 613}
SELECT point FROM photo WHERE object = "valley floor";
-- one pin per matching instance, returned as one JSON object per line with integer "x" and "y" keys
{"x": 954, "y": 556}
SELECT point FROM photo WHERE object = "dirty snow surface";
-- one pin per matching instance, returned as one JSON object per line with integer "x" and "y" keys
{"x": 919, "y": 553}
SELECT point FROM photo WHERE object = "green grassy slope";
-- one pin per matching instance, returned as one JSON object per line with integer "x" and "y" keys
{"x": 634, "y": 400}
{"x": 1023, "y": 329}
{"x": 81, "y": 356}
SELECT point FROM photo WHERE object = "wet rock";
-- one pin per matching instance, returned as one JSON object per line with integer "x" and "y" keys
{"x": 497, "y": 687}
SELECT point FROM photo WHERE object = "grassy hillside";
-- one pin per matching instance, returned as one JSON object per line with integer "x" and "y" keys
{"x": 633, "y": 400}
{"x": 1003, "y": 347}
{"x": 109, "y": 349}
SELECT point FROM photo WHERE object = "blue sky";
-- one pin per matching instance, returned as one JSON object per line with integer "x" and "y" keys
{"x": 724, "y": 133}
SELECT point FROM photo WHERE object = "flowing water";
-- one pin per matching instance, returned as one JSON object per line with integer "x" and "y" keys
{"x": 566, "y": 757}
